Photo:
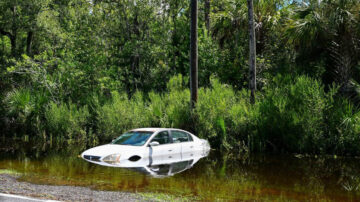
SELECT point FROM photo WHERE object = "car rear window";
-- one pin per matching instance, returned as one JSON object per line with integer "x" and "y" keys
{"x": 179, "y": 136}
{"x": 162, "y": 138}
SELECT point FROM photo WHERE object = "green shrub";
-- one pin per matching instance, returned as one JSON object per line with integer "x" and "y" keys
{"x": 66, "y": 122}
{"x": 170, "y": 109}
{"x": 121, "y": 114}
{"x": 19, "y": 104}
{"x": 342, "y": 121}
{"x": 176, "y": 113}
{"x": 242, "y": 123}
{"x": 226, "y": 117}
{"x": 24, "y": 110}
{"x": 291, "y": 115}
{"x": 159, "y": 110}
{"x": 213, "y": 112}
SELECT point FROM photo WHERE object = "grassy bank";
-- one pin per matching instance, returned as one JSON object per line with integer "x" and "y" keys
{"x": 290, "y": 115}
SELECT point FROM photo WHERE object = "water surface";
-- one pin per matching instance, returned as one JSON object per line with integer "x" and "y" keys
{"x": 215, "y": 177}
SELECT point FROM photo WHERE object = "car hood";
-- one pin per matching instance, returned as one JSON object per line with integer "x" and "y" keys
{"x": 105, "y": 150}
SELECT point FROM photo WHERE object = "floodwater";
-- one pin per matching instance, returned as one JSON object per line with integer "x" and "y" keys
{"x": 213, "y": 177}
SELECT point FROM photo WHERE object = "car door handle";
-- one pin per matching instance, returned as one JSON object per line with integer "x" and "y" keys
{"x": 170, "y": 157}
{"x": 170, "y": 149}
{"x": 191, "y": 147}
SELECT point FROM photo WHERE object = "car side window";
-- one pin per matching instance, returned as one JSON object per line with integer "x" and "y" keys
{"x": 190, "y": 137}
{"x": 162, "y": 138}
{"x": 179, "y": 136}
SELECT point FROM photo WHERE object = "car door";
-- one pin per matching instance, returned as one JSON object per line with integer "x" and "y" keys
{"x": 185, "y": 141}
{"x": 165, "y": 152}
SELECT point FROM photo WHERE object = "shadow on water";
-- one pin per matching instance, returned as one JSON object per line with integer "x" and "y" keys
{"x": 262, "y": 177}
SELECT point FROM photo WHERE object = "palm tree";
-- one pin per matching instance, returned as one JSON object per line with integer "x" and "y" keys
{"x": 252, "y": 45}
{"x": 325, "y": 33}
{"x": 207, "y": 14}
{"x": 194, "y": 54}
{"x": 231, "y": 30}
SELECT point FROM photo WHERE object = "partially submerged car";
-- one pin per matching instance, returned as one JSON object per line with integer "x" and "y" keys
{"x": 147, "y": 147}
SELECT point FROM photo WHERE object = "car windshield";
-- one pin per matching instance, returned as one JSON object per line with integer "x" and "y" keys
{"x": 134, "y": 138}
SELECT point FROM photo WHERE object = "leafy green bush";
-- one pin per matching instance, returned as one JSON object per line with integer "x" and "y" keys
{"x": 342, "y": 126}
{"x": 292, "y": 115}
{"x": 225, "y": 117}
{"x": 24, "y": 109}
{"x": 300, "y": 116}
{"x": 159, "y": 110}
{"x": 19, "y": 104}
{"x": 176, "y": 112}
{"x": 213, "y": 111}
{"x": 121, "y": 114}
{"x": 242, "y": 121}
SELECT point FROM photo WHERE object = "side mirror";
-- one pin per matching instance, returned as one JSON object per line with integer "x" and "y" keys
{"x": 154, "y": 143}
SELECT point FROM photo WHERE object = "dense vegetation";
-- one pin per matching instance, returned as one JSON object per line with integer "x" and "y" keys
{"x": 76, "y": 71}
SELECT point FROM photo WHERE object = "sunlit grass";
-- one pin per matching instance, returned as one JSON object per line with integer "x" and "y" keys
{"x": 156, "y": 196}
{"x": 9, "y": 172}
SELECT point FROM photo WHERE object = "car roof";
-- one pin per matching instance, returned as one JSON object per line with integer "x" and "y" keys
{"x": 154, "y": 129}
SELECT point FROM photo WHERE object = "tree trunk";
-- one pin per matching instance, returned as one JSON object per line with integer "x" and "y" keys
{"x": 13, "y": 45}
{"x": 207, "y": 14}
{"x": 3, "y": 49}
{"x": 14, "y": 33}
{"x": 194, "y": 54}
{"x": 135, "y": 59}
{"x": 176, "y": 52}
{"x": 252, "y": 45}
{"x": 135, "y": 62}
{"x": 29, "y": 42}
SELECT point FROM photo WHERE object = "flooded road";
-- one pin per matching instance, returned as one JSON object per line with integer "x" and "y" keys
{"x": 214, "y": 177}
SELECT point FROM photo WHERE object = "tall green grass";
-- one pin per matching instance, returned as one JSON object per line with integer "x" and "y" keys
{"x": 66, "y": 122}
{"x": 225, "y": 116}
{"x": 290, "y": 115}
{"x": 157, "y": 110}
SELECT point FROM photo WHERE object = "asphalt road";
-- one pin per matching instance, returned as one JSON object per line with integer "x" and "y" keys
{"x": 10, "y": 184}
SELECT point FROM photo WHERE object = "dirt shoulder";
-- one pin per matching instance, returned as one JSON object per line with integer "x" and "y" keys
{"x": 10, "y": 185}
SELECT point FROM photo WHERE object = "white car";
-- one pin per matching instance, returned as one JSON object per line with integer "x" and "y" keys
{"x": 148, "y": 147}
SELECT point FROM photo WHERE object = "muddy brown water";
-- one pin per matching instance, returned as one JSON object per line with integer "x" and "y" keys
{"x": 215, "y": 177}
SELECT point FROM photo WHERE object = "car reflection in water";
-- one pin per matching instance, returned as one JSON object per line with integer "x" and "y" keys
{"x": 158, "y": 152}
{"x": 171, "y": 167}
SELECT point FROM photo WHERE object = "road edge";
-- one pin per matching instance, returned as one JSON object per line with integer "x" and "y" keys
{"x": 25, "y": 198}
